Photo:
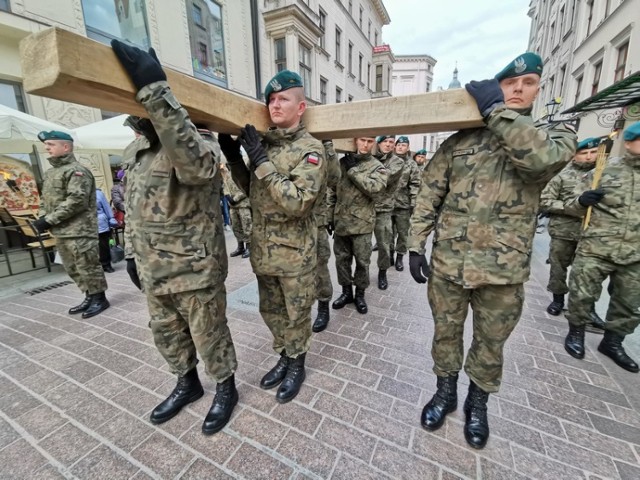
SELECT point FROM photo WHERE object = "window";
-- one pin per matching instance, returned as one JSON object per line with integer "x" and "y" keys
{"x": 368, "y": 82}
{"x": 428, "y": 87}
{"x": 621, "y": 62}
{"x": 350, "y": 58}
{"x": 206, "y": 40}
{"x": 323, "y": 24}
{"x": 561, "y": 27}
{"x": 281, "y": 54}
{"x": 338, "y": 95}
{"x": 11, "y": 95}
{"x": 350, "y": 7}
{"x": 305, "y": 68}
{"x": 607, "y": 6}
{"x": 597, "y": 71}
{"x": 107, "y": 20}
{"x": 338, "y": 45}
{"x": 590, "y": 16}
{"x": 350, "y": 98}
{"x": 369, "y": 31}
{"x": 378, "y": 78}
{"x": 552, "y": 35}
{"x": 360, "y": 18}
{"x": 578, "y": 88}
{"x": 375, "y": 38}
{"x": 552, "y": 81}
{"x": 360, "y": 67}
{"x": 563, "y": 73}
{"x": 4, "y": 5}
{"x": 323, "y": 90}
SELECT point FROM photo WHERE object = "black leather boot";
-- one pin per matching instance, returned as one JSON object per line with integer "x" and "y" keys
{"x": 292, "y": 382}
{"x": 238, "y": 251}
{"x": 83, "y": 306}
{"x": 444, "y": 401}
{"x": 188, "y": 389}
{"x": 382, "y": 280}
{"x": 476, "y": 425}
{"x": 574, "y": 342}
{"x": 555, "y": 307}
{"x": 246, "y": 251}
{"x": 399, "y": 264}
{"x": 611, "y": 346}
{"x": 322, "y": 320}
{"x": 99, "y": 303}
{"x": 596, "y": 324}
{"x": 222, "y": 407}
{"x": 361, "y": 305}
{"x": 276, "y": 374}
{"x": 345, "y": 298}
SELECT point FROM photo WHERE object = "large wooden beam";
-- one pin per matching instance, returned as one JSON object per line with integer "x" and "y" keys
{"x": 69, "y": 67}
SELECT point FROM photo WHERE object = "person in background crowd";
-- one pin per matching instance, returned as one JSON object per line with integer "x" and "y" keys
{"x": 117, "y": 198}
{"x": 106, "y": 220}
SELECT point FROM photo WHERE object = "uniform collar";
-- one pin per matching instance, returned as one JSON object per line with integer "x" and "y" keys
{"x": 584, "y": 167}
{"x": 631, "y": 159}
{"x": 62, "y": 160}
{"x": 278, "y": 136}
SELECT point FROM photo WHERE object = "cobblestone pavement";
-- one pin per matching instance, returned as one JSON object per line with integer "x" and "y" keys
{"x": 75, "y": 396}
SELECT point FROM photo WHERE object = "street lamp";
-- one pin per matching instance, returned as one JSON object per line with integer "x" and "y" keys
{"x": 552, "y": 106}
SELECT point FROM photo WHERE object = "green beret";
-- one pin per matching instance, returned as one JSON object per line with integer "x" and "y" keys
{"x": 587, "y": 143}
{"x": 526, "y": 63}
{"x": 632, "y": 133}
{"x": 382, "y": 138}
{"x": 284, "y": 80}
{"x": 54, "y": 135}
{"x": 420, "y": 152}
{"x": 402, "y": 139}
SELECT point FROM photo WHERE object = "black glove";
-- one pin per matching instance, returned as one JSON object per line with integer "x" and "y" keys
{"x": 41, "y": 225}
{"x": 250, "y": 140}
{"x": 330, "y": 229}
{"x": 349, "y": 161}
{"x": 144, "y": 127}
{"x": 230, "y": 147}
{"x": 143, "y": 67}
{"x": 230, "y": 200}
{"x": 132, "y": 270}
{"x": 487, "y": 94}
{"x": 591, "y": 197}
{"x": 419, "y": 267}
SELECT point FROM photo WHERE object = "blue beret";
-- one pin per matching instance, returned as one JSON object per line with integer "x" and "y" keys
{"x": 526, "y": 63}
{"x": 382, "y": 138}
{"x": 632, "y": 133}
{"x": 54, "y": 135}
{"x": 283, "y": 80}
{"x": 402, "y": 139}
{"x": 420, "y": 152}
{"x": 587, "y": 143}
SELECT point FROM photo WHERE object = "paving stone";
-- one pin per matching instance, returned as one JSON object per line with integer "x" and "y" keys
{"x": 531, "y": 418}
{"x": 48, "y": 472}
{"x": 82, "y": 371}
{"x": 20, "y": 460}
{"x": 257, "y": 398}
{"x": 368, "y": 398}
{"x": 259, "y": 428}
{"x": 603, "y": 394}
{"x": 594, "y": 440}
{"x": 517, "y": 433}
{"x": 111, "y": 360}
{"x": 17, "y": 403}
{"x": 559, "y": 409}
{"x": 356, "y": 375}
{"x": 365, "y": 347}
{"x": 136, "y": 400}
{"x": 256, "y": 465}
{"x": 383, "y": 427}
{"x": 585, "y": 459}
{"x": 584, "y": 364}
{"x": 380, "y": 366}
{"x": 41, "y": 421}
{"x": 628, "y": 472}
{"x": 297, "y": 416}
{"x": 67, "y": 395}
{"x": 103, "y": 463}
{"x": 540, "y": 467}
{"x": 324, "y": 382}
{"x": 218, "y": 447}
{"x": 401, "y": 390}
{"x": 308, "y": 452}
{"x": 342, "y": 354}
{"x": 616, "y": 429}
{"x": 346, "y": 439}
{"x": 162, "y": 455}
{"x": 68, "y": 444}
{"x": 497, "y": 449}
{"x": 578, "y": 400}
{"x": 313, "y": 361}
{"x": 125, "y": 431}
{"x": 336, "y": 407}
{"x": 625, "y": 415}
{"x": 202, "y": 469}
{"x": 401, "y": 464}
{"x": 108, "y": 385}
{"x": 603, "y": 381}
{"x": 7, "y": 434}
{"x": 493, "y": 471}
{"x": 149, "y": 377}
{"x": 444, "y": 453}
{"x": 406, "y": 413}
{"x": 349, "y": 468}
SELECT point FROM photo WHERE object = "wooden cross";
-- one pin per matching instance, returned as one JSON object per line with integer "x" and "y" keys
{"x": 65, "y": 66}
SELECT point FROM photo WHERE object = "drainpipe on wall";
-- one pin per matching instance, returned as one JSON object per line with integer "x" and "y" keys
{"x": 255, "y": 28}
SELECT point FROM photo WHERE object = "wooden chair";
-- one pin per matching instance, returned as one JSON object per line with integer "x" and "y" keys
{"x": 44, "y": 241}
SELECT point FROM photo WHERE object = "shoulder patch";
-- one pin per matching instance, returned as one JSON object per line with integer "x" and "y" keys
{"x": 313, "y": 158}
{"x": 78, "y": 174}
{"x": 464, "y": 151}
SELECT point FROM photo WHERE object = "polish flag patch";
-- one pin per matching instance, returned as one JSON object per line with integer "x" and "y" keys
{"x": 313, "y": 158}
{"x": 78, "y": 174}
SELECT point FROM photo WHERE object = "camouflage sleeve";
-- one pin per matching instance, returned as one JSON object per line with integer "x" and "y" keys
{"x": 572, "y": 207}
{"x": 192, "y": 158}
{"x": 368, "y": 181}
{"x": 430, "y": 198}
{"x": 414, "y": 183}
{"x": 240, "y": 175}
{"x": 296, "y": 192}
{"x": 333, "y": 165}
{"x": 79, "y": 188}
{"x": 331, "y": 199}
{"x": 128, "y": 248}
{"x": 538, "y": 154}
{"x": 549, "y": 199}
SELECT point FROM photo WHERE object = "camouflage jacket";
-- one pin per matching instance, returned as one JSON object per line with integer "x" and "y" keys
{"x": 356, "y": 192}
{"x": 394, "y": 166}
{"x": 481, "y": 194}
{"x": 235, "y": 193}
{"x": 614, "y": 229}
{"x": 408, "y": 184}
{"x": 557, "y": 194}
{"x": 172, "y": 192}
{"x": 68, "y": 200}
{"x": 322, "y": 209}
{"x": 283, "y": 193}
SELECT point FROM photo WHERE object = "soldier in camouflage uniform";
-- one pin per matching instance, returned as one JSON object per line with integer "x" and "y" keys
{"x": 174, "y": 228}
{"x": 286, "y": 178}
{"x": 383, "y": 230}
{"x": 609, "y": 247}
{"x": 324, "y": 221}
{"x": 68, "y": 210}
{"x": 240, "y": 212}
{"x": 564, "y": 228}
{"x": 404, "y": 202}
{"x": 420, "y": 157}
{"x": 363, "y": 179}
{"x": 480, "y": 194}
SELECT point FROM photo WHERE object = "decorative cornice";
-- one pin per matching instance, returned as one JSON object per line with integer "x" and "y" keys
{"x": 382, "y": 11}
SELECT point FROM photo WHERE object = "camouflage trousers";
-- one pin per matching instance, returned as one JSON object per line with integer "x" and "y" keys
{"x": 400, "y": 222}
{"x": 324, "y": 288}
{"x": 241, "y": 223}
{"x": 346, "y": 249}
{"x": 285, "y": 306}
{"x": 496, "y": 311}
{"x": 383, "y": 232}
{"x": 193, "y": 323}
{"x": 561, "y": 253}
{"x": 585, "y": 286}
{"x": 82, "y": 263}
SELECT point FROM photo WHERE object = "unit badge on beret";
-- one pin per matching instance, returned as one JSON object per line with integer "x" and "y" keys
{"x": 275, "y": 84}
{"x": 520, "y": 65}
